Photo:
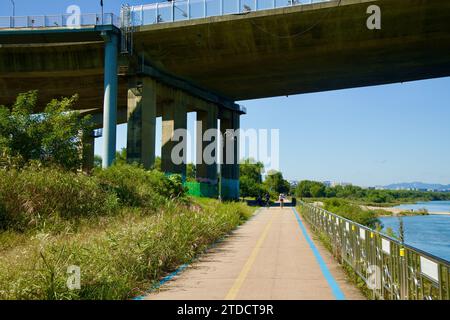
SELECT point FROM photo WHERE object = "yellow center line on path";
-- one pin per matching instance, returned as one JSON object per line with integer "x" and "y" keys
{"x": 248, "y": 265}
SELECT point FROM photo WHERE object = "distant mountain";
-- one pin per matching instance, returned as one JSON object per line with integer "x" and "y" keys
{"x": 418, "y": 185}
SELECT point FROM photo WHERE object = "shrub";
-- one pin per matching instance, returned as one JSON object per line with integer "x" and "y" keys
{"x": 352, "y": 212}
{"x": 34, "y": 196}
{"x": 137, "y": 187}
{"x": 121, "y": 261}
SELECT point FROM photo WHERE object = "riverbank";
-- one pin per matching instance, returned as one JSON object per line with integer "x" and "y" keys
{"x": 389, "y": 211}
{"x": 392, "y": 210}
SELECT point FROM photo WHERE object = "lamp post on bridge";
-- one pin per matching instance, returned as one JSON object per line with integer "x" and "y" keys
{"x": 174, "y": 6}
{"x": 101, "y": 4}
{"x": 13, "y": 12}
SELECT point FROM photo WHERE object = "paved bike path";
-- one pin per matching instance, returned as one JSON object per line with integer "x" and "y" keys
{"x": 272, "y": 256}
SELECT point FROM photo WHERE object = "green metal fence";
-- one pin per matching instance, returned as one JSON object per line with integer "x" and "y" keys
{"x": 392, "y": 270}
{"x": 200, "y": 189}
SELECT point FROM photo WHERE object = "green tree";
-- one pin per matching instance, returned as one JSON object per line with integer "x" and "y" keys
{"x": 157, "y": 164}
{"x": 303, "y": 189}
{"x": 252, "y": 169}
{"x": 317, "y": 190}
{"x": 275, "y": 182}
{"x": 98, "y": 161}
{"x": 308, "y": 189}
{"x": 191, "y": 171}
{"x": 121, "y": 156}
{"x": 250, "y": 181}
{"x": 52, "y": 137}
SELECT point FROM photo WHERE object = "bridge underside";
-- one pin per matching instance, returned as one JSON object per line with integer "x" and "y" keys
{"x": 305, "y": 49}
{"x": 205, "y": 65}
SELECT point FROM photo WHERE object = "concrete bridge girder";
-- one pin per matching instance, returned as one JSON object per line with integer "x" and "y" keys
{"x": 148, "y": 99}
{"x": 174, "y": 116}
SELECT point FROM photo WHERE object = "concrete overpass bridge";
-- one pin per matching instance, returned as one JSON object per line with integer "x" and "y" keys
{"x": 181, "y": 56}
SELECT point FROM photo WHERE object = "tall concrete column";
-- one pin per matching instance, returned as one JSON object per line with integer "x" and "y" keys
{"x": 88, "y": 150}
{"x": 207, "y": 168}
{"x": 230, "y": 155}
{"x": 141, "y": 122}
{"x": 174, "y": 116}
{"x": 110, "y": 99}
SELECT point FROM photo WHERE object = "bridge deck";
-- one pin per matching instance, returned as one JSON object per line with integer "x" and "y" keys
{"x": 270, "y": 257}
{"x": 275, "y": 52}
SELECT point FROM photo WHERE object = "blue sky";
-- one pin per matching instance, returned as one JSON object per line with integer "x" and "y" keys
{"x": 367, "y": 136}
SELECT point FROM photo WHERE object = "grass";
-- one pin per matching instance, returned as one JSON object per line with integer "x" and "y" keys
{"x": 119, "y": 258}
{"x": 123, "y": 227}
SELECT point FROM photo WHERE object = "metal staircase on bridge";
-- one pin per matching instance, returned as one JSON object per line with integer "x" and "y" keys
{"x": 127, "y": 27}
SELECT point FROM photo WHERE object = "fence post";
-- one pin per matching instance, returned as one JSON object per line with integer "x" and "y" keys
{"x": 404, "y": 277}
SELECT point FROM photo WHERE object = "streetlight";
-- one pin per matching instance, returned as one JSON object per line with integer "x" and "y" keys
{"x": 13, "y": 7}
{"x": 13, "y": 12}
{"x": 101, "y": 4}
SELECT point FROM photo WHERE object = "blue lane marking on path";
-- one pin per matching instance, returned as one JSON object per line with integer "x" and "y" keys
{"x": 184, "y": 266}
{"x": 338, "y": 294}
{"x": 164, "y": 280}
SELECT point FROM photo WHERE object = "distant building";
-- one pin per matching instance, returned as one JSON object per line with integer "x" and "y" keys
{"x": 342, "y": 184}
{"x": 327, "y": 183}
{"x": 293, "y": 183}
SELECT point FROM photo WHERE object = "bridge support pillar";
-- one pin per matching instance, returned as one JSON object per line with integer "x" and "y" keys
{"x": 207, "y": 151}
{"x": 174, "y": 116}
{"x": 141, "y": 117}
{"x": 110, "y": 99}
{"x": 229, "y": 125}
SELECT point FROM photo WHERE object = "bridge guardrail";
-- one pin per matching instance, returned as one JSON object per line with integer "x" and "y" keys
{"x": 179, "y": 10}
{"x": 59, "y": 21}
{"x": 161, "y": 12}
{"x": 392, "y": 270}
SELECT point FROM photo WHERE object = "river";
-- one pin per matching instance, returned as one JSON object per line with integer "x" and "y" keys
{"x": 429, "y": 233}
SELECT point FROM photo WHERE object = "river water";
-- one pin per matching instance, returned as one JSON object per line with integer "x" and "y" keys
{"x": 429, "y": 233}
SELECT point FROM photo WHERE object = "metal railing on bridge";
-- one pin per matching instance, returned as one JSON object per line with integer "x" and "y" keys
{"x": 162, "y": 12}
{"x": 59, "y": 21}
{"x": 392, "y": 270}
{"x": 179, "y": 10}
